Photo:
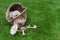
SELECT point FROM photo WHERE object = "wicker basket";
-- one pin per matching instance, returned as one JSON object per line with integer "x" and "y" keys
{"x": 13, "y": 7}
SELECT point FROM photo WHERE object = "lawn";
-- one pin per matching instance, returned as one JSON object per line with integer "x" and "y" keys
{"x": 44, "y": 13}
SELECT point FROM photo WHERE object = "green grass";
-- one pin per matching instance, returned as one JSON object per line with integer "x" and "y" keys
{"x": 44, "y": 13}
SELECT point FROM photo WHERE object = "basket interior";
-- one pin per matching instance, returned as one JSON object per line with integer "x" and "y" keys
{"x": 16, "y": 7}
{"x": 19, "y": 8}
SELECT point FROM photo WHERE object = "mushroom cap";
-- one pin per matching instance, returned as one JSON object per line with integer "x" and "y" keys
{"x": 22, "y": 28}
{"x": 14, "y": 14}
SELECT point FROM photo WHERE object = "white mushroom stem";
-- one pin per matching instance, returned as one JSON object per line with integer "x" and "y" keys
{"x": 14, "y": 29}
{"x": 23, "y": 33}
{"x": 34, "y": 27}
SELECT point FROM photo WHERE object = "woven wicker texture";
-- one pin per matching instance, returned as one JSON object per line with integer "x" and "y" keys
{"x": 13, "y": 7}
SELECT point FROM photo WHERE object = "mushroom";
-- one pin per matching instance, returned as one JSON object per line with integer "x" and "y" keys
{"x": 14, "y": 29}
{"x": 16, "y": 16}
{"x": 34, "y": 27}
{"x": 23, "y": 30}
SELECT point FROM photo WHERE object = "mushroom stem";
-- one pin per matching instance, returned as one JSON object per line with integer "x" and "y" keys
{"x": 23, "y": 33}
{"x": 34, "y": 27}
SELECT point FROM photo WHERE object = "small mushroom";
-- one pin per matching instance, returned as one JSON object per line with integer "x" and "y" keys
{"x": 34, "y": 27}
{"x": 14, "y": 29}
{"x": 23, "y": 30}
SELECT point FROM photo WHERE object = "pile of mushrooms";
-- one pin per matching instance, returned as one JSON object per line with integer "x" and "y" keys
{"x": 16, "y": 16}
